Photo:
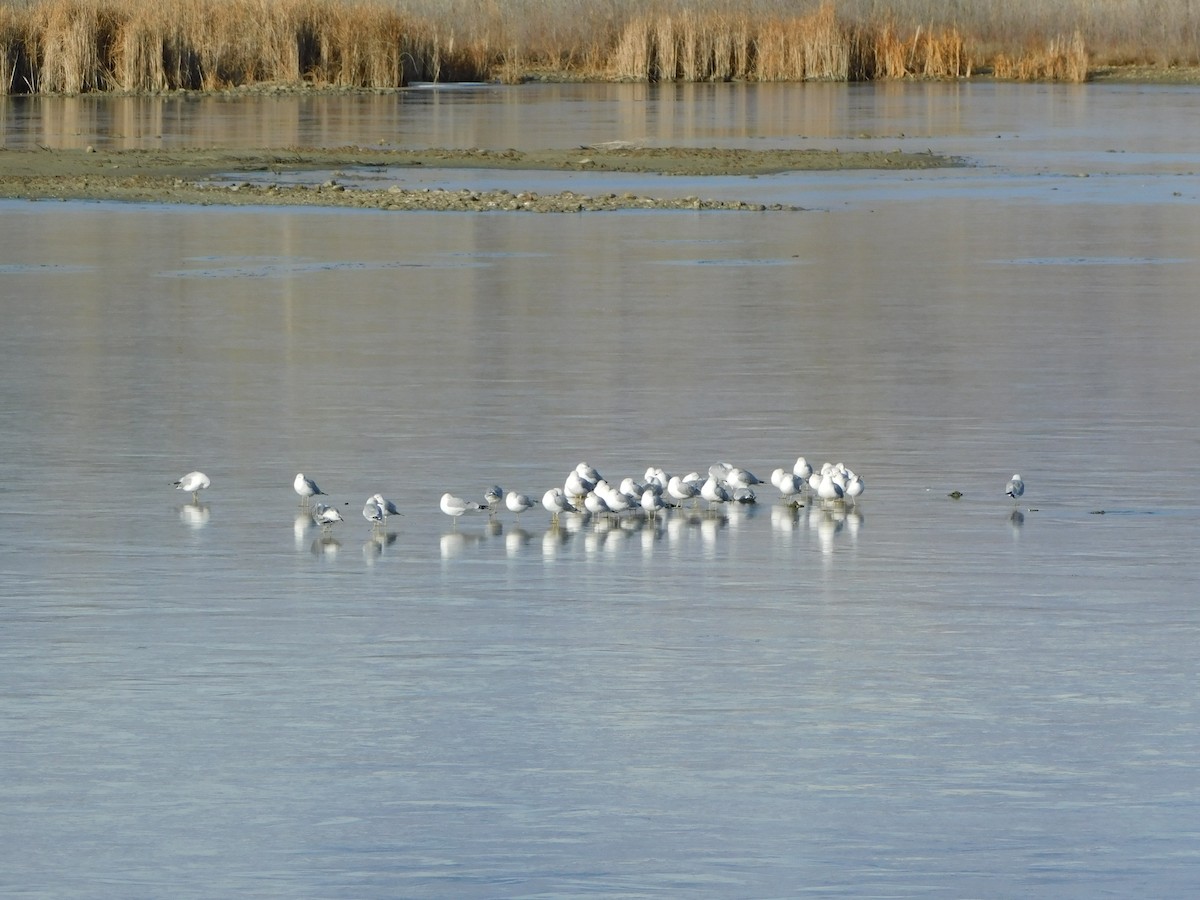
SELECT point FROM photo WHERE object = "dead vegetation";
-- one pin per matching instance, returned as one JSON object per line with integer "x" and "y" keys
{"x": 76, "y": 46}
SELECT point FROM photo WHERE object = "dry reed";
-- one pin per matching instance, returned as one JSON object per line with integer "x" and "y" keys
{"x": 1062, "y": 59}
{"x": 71, "y": 46}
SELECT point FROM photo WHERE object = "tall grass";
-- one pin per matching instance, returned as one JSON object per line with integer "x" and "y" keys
{"x": 72, "y": 46}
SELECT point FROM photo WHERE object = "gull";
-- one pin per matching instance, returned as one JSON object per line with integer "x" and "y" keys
{"x": 743, "y": 495}
{"x": 829, "y": 489}
{"x": 373, "y": 512}
{"x": 617, "y": 502}
{"x": 714, "y": 492}
{"x": 631, "y": 489}
{"x": 740, "y": 478}
{"x": 492, "y": 497}
{"x": 306, "y": 488}
{"x": 720, "y": 470}
{"x": 802, "y": 468}
{"x": 194, "y": 482}
{"x": 578, "y": 486}
{"x": 388, "y": 506}
{"x": 456, "y": 506}
{"x": 680, "y": 489}
{"x": 855, "y": 486}
{"x": 555, "y": 501}
{"x": 841, "y": 477}
{"x": 594, "y": 503}
{"x": 657, "y": 475}
{"x": 587, "y": 473}
{"x": 789, "y": 484}
{"x": 517, "y": 503}
{"x": 1016, "y": 487}
{"x": 651, "y": 502}
{"x": 326, "y": 516}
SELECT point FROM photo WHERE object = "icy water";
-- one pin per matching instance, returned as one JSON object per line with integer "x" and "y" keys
{"x": 912, "y": 696}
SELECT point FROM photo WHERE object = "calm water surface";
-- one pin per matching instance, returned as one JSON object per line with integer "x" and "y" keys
{"x": 911, "y": 697}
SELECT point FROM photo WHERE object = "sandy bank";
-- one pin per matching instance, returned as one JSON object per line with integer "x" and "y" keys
{"x": 210, "y": 176}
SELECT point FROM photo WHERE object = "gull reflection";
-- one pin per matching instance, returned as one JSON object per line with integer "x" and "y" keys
{"x": 608, "y": 533}
{"x": 326, "y": 546}
{"x": 453, "y": 543}
{"x": 374, "y": 546}
{"x": 854, "y": 521}
{"x": 554, "y": 539}
{"x": 652, "y": 535}
{"x": 300, "y": 528}
{"x": 194, "y": 515}
{"x": 1016, "y": 521}
{"x": 515, "y": 540}
{"x": 785, "y": 518}
{"x": 828, "y": 522}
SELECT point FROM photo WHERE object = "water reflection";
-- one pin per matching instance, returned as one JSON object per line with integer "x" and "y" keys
{"x": 326, "y": 547}
{"x": 897, "y": 344}
{"x": 1016, "y": 520}
{"x": 194, "y": 515}
{"x": 376, "y": 544}
{"x": 674, "y": 529}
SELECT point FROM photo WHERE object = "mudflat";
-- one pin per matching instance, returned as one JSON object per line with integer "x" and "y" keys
{"x": 208, "y": 176}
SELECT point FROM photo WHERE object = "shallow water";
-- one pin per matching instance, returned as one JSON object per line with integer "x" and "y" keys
{"x": 914, "y": 696}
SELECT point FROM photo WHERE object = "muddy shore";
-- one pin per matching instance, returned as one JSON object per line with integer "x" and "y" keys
{"x": 211, "y": 176}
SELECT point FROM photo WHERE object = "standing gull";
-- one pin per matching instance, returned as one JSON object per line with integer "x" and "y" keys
{"x": 388, "y": 506}
{"x": 194, "y": 482}
{"x": 326, "y": 516}
{"x": 681, "y": 490}
{"x": 306, "y": 488}
{"x": 517, "y": 503}
{"x": 1016, "y": 487}
{"x": 373, "y": 512}
{"x": 554, "y": 501}
{"x": 457, "y": 506}
{"x": 828, "y": 489}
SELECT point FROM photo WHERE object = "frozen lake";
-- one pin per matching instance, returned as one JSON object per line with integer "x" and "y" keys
{"x": 912, "y": 696}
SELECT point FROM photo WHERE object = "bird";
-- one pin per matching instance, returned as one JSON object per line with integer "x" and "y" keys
{"x": 657, "y": 475}
{"x": 194, "y": 482}
{"x": 855, "y": 486}
{"x": 829, "y": 489}
{"x": 326, "y": 516}
{"x": 373, "y": 512}
{"x": 651, "y": 502}
{"x": 576, "y": 485}
{"x": 714, "y": 492}
{"x": 680, "y": 489}
{"x": 306, "y": 488}
{"x": 802, "y": 469}
{"x": 789, "y": 484}
{"x": 741, "y": 478}
{"x": 457, "y": 506}
{"x": 492, "y": 497}
{"x": 1016, "y": 487}
{"x": 517, "y": 503}
{"x": 594, "y": 503}
{"x": 587, "y": 473}
{"x": 388, "y": 506}
{"x": 555, "y": 501}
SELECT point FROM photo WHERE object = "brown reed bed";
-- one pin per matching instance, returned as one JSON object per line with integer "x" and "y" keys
{"x": 74, "y": 46}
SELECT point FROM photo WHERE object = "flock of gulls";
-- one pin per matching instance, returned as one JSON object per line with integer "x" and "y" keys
{"x": 586, "y": 492}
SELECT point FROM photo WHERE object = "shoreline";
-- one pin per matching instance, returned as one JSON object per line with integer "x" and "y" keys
{"x": 208, "y": 176}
